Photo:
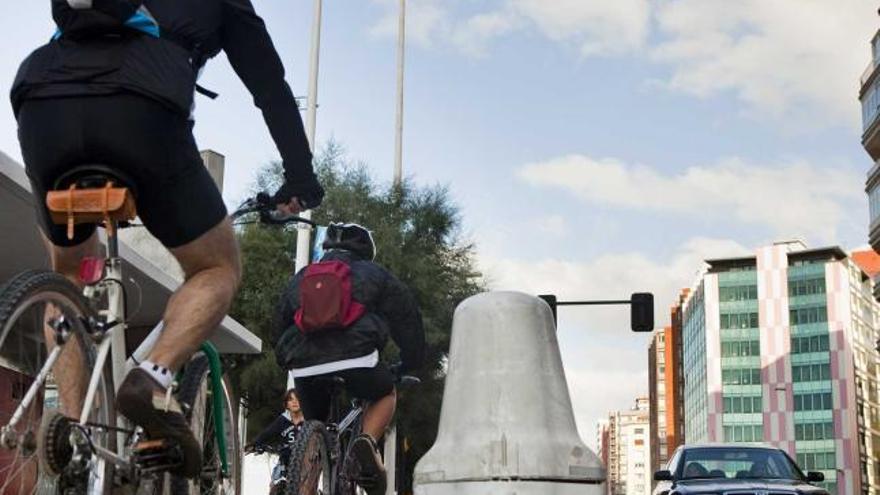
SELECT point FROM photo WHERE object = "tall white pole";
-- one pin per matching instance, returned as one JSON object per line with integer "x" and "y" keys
{"x": 398, "y": 134}
{"x": 303, "y": 234}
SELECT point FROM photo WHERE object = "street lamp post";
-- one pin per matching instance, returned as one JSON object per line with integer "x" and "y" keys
{"x": 303, "y": 233}
{"x": 398, "y": 128}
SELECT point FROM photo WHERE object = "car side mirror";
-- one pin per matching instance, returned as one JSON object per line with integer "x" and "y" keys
{"x": 642, "y": 312}
{"x": 815, "y": 477}
{"x": 663, "y": 475}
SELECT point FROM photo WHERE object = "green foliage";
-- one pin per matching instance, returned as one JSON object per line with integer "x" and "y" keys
{"x": 417, "y": 232}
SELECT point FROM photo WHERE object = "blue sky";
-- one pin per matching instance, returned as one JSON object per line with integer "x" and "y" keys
{"x": 595, "y": 148}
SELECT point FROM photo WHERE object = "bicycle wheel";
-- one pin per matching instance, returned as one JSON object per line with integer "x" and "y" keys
{"x": 308, "y": 471}
{"x": 38, "y": 447}
{"x": 195, "y": 391}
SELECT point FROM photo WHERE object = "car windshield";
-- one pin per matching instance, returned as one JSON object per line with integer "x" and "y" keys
{"x": 738, "y": 463}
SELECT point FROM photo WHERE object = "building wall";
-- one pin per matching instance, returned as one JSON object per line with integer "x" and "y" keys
{"x": 696, "y": 395}
{"x": 772, "y": 263}
{"x": 674, "y": 379}
{"x": 792, "y": 343}
{"x": 657, "y": 399}
{"x": 740, "y": 357}
{"x": 629, "y": 449}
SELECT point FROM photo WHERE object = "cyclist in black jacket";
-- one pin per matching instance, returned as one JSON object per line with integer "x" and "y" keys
{"x": 123, "y": 98}
{"x": 353, "y": 352}
{"x": 281, "y": 433}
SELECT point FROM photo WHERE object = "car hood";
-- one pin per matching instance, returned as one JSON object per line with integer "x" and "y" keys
{"x": 744, "y": 485}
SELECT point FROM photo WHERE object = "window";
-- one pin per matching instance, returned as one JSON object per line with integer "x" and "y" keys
{"x": 741, "y": 377}
{"x": 806, "y": 287}
{"x": 738, "y": 293}
{"x": 811, "y": 372}
{"x": 815, "y": 343}
{"x": 740, "y": 348}
{"x": 739, "y": 320}
{"x": 812, "y": 401}
{"x": 746, "y": 404}
{"x": 804, "y": 316}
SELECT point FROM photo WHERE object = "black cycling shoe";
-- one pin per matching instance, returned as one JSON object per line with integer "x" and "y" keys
{"x": 142, "y": 400}
{"x": 372, "y": 473}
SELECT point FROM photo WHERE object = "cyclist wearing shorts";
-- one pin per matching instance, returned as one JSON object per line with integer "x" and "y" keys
{"x": 121, "y": 96}
{"x": 352, "y": 352}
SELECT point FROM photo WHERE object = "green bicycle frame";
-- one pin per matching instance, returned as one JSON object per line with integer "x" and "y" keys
{"x": 215, "y": 371}
{"x": 216, "y": 374}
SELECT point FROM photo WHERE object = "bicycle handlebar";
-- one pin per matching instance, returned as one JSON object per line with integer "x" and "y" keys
{"x": 263, "y": 205}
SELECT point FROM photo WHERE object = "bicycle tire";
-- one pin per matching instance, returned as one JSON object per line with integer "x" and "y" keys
{"x": 20, "y": 322}
{"x": 308, "y": 470}
{"x": 195, "y": 391}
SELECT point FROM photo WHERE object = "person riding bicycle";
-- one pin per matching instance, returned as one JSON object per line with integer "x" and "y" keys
{"x": 380, "y": 306}
{"x": 119, "y": 92}
{"x": 280, "y": 433}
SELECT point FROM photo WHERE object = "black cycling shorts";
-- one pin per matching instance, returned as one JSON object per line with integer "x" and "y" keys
{"x": 176, "y": 198}
{"x": 369, "y": 384}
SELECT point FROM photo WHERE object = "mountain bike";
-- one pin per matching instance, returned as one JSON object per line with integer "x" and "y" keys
{"x": 62, "y": 353}
{"x": 322, "y": 461}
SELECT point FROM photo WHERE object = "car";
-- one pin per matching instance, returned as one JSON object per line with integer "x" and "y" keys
{"x": 734, "y": 469}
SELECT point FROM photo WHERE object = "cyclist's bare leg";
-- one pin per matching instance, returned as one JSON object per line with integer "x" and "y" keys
{"x": 378, "y": 415}
{"x": 73, "y": 381}
{"x": 212, "y": 268}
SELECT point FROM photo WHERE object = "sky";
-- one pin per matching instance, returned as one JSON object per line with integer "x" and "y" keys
{"x": 595, "y": 149}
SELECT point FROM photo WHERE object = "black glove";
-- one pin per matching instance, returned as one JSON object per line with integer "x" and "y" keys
{"x": 309, "y": 193}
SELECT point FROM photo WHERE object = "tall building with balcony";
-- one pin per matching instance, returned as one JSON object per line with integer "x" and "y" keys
{"x": 657, "y": 398}
{"x": 778, "y": 348}
{"x": 869, "y": 96}
{"x": 629, "y": 451}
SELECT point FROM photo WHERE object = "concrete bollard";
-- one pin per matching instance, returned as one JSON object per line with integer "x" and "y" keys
{"x": 506, "y": 424}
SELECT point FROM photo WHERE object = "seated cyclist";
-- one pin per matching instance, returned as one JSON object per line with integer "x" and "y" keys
{"x": 115, "y": 87}
{"x": 281, "y": 433}
{"x": 321, "y": 335}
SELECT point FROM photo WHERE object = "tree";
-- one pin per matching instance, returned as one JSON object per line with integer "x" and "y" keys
{"x": 418, "y": 236}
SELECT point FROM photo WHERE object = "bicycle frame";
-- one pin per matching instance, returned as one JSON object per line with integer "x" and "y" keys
{"x": 111, "y": 343}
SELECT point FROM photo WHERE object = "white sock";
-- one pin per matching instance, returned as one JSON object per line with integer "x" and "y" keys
{"x": 161, "y": 374}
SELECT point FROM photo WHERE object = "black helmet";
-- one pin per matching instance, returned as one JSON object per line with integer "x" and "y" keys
{"x": 350, "y": 237}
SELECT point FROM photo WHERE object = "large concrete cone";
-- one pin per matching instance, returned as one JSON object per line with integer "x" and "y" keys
{"x": 506, "y": 425}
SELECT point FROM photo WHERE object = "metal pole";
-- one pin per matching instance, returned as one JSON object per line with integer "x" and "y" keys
{"x": 391, "y": 461}
{"x": 303, "y": 234}
{"x": 398, "y": 130}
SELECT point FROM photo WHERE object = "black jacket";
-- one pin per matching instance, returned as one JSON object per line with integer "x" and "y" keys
{"x": 281, "y": 432}
{"x": 165, "y": 69}
{"x": 391, "y": 311}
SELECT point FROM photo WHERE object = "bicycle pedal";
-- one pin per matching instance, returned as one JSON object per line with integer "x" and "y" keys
{"x": 152, "y": 456}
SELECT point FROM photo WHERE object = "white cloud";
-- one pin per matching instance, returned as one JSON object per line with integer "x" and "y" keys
{"x": 427, "y": 21}
{"x": 796, "y": 60}
{"x": 594, "y": 28}
{"x": 599, "y": 28}
{"x": 793, "y": 199}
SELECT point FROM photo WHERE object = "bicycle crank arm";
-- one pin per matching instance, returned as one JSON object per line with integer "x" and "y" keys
{"x": 111, "y": 456}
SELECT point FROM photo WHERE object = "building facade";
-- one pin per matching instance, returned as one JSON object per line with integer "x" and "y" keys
{"x": 869, "y": 96}
{"x": 628, "y": 455}
{"x": 778, "y": 348}
{"x": 657, "y": 399}
{"x": 674, "y": 379}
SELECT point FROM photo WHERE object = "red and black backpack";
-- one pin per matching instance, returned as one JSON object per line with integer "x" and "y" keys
{"x": 325, "y": 298}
